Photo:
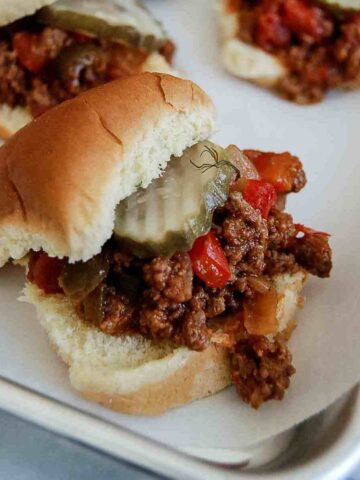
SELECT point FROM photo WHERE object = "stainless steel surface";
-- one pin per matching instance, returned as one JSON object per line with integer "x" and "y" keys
{"x": 33, "y": 453}
{"x": 325, "y": 447}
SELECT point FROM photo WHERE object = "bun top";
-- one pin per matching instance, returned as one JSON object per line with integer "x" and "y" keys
{"x": 62, "y": 175}
{"x": 11, "y": 10}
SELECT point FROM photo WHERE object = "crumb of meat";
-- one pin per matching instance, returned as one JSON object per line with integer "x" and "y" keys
{"x": 51, "y": 41}
{"x": 261, "y": 369}
{"x": 12, "y": 77}
{"x": 165, "y": 313}
{"x": 347, "y": 48}
{"x": 244, "y": 236}
{"x": 216, "y": 303}
{"x": 307, "y": 81}
{"x": 281, "y": 229}
{"x": 313, "y": 252}
{"x": 158, "y": 317}
{"x": 242, "y": 286}
{"x": 195, "y": 333}
{"x": 280, "y": 262}
{"x": 173, "y": 277}
{"x": 118, "y": 313}
{"x": 170, "y": 281}
{"x": 121, "y": 260}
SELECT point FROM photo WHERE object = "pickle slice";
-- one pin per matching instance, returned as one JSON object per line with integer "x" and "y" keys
{"x": 79, "y": 279}
{"x": 117, "y": 20}
{"x": 178, "y": 207}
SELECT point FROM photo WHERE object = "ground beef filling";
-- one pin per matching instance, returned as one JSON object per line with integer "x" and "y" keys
{"x": 321, "y": 47}
{"x": 261, "y": 369}
{"x": 169, "y": 302}
{"x": 43, "y": 66}
{"x": 163, "y": 299}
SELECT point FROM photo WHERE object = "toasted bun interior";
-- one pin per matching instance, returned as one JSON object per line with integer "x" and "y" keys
{"x": 62, "y": 175}
{"x": 133, "y": 374}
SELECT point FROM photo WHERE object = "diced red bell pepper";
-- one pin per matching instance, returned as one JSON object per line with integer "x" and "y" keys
{"x": 261, "y": 196}
{"x": 27, "y": 47}
{"x": 279, "y": 169}
{"x": 209, "y": 262}
{"x": 44, "y": 271}
{"x": 303, "y": 18}
{"x": 309, "y": 231}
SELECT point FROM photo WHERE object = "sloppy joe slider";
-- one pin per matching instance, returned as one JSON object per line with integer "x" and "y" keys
{"x": 162, "y": 265}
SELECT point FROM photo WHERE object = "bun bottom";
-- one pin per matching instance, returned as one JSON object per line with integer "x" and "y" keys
{"x": 252, "y": 64}
{"x": 132, "y": 374}
{"x": 13, "y": 119}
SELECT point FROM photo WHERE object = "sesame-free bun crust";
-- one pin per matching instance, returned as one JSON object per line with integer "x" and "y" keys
{"x": 11, "y": 10}
{"x": 62, "y": 175}
{"x": 132, "y": 374}
{"x": 13, "y": 119}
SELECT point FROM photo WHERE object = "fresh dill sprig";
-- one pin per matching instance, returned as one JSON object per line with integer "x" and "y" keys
{"x": 217, "y": 163}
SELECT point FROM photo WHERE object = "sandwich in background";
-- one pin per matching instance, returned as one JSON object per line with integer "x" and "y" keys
{"x": 51, "y": 54}
{"x": 300, "y": 48}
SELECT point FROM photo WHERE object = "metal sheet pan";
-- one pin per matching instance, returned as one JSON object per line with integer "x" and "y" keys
{"x": 324, "y": 447}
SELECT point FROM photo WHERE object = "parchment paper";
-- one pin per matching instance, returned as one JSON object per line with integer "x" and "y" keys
{"x": 326, "y": 343}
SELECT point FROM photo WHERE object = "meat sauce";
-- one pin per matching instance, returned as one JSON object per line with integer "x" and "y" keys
{"x": 178, "y": 298}
{"x": 43, "y": 66}
{"x": 321, "y": 47}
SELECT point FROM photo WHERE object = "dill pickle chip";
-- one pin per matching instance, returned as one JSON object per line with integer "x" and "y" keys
{"x": 178, "y": 207}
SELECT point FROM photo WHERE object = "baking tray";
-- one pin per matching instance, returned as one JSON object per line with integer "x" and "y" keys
{"x": 326, "y": 446}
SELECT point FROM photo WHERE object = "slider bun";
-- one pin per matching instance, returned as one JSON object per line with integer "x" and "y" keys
{"x": 63, "y": 174}
{"x": 12, "y": 119}
{"x": 11, "y": 10}
{"x": 132, "y": 374}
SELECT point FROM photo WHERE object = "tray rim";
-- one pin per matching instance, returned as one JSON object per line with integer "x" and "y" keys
{"x": 119, "y": 442}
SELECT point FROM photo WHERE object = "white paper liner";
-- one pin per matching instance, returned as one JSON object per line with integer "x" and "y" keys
{"x": 326, "y": 343}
